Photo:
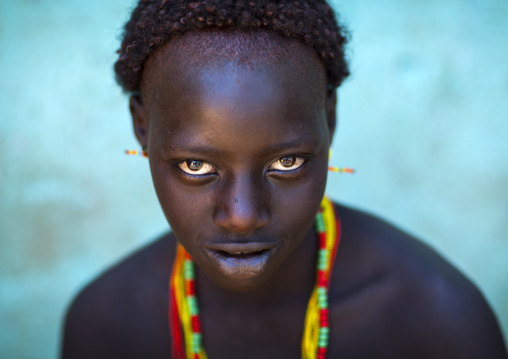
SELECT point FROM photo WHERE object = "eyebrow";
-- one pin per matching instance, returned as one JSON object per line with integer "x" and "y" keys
{"x": 293, "y": 143}
{"x": 196, "y": 149}
{"x": 277, "y": 147}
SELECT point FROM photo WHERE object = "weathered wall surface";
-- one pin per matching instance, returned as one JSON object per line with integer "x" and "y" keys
{"x": 423, "y": 119}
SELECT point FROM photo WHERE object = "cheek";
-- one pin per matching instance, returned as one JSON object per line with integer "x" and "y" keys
{"x": 185, "y": 207}
{"x": 294, "y": 205}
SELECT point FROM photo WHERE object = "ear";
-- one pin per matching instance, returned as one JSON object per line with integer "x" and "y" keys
{"x": 330, "y": 108}
{"x": 139, "y": 120}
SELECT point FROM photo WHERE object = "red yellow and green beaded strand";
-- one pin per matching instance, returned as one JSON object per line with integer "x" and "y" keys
{"x": 184, "y": 311}
{"x": 317, "y": 329}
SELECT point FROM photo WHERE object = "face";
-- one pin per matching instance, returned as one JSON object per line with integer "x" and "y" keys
{"x": 238, "y": 156}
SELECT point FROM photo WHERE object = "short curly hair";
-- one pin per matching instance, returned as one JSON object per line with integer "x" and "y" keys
{"x": 154, "y": 22}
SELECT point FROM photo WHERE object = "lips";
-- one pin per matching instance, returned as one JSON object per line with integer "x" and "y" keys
{"x": 241, "y": 260}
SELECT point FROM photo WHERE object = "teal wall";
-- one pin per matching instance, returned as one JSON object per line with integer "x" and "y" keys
{"x": 423, "y": 119}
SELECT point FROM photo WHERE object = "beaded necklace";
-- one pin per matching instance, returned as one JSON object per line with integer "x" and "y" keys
{"x": 184, "y": 311}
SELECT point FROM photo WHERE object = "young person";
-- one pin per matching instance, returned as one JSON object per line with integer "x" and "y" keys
{"x": 233, "y": 102}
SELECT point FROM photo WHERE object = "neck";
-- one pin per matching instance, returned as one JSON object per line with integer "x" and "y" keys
{"x": 293, "y": 281}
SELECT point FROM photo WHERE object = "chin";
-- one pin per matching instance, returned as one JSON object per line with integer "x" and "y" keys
{"x": 242, "y": 285}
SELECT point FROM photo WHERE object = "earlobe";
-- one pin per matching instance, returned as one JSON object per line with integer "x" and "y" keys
{"x": 139, "y": 120}
{"x": 330, "y": 107}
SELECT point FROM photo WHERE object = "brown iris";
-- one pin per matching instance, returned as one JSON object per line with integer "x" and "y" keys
{"x": 287, "y": 161}
{"x": 194, "y": 165}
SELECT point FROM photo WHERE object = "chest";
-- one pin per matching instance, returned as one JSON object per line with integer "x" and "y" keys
{"x": 359, "y": 329}
{"x": 254, "y": 334}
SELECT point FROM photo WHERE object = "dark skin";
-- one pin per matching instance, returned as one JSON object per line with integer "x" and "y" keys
{"x": 390, "y": 296}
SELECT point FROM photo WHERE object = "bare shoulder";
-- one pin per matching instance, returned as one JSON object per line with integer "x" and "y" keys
{"x": 406, "y": 296}
{"x": 118, "y": 314}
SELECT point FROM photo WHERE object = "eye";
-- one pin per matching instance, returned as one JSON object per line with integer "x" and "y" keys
{"x": 196, "y": 167}
{"x": 287, "y": 163}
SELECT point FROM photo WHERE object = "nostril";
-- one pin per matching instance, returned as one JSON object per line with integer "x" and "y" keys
{"x": 240, "y": 216}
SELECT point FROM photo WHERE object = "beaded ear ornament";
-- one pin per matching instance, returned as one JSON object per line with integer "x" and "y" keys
{"x": 136, "y": 153}
{"x": 341, "y": 170}
{"x": 143, "y": 153}
{"x": 338, "y": 169}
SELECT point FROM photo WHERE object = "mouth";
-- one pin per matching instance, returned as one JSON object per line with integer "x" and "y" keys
{"x": 241, "y": 255}
{"x": 241, "y": 260}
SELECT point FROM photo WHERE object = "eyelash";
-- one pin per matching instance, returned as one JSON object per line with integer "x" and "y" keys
{"x": 185, "y": 165}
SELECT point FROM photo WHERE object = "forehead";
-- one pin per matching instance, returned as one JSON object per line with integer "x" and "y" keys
{"x": 199, "y": 59}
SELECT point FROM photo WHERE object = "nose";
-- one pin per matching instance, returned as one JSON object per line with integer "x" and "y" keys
{"x": 241, "y": 207}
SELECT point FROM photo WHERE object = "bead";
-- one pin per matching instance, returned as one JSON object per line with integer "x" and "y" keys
{"x": 196, "y": 342}
{"x": 322, "y": 279}
{"x": 188, "y": 269}
{"x": 189, "y": 287}
{"x": 322, "y": 240}
{"x": 196, "y": 325}
{"x": 320, "y": 224}
{"x": 193, "y": 307}
{"x": 324, "y": 256}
